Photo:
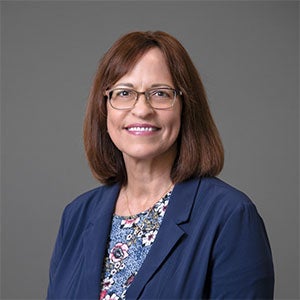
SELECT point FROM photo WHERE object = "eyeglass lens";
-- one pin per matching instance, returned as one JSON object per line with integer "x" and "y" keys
{"x": 122, "y": 98}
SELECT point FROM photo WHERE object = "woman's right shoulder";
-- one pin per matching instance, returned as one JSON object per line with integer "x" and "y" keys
{"x": 88, "y": 198}
{"x": 87, "y": 204}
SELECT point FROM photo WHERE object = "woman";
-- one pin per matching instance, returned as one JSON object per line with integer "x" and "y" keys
{"x": 162, "y": 226}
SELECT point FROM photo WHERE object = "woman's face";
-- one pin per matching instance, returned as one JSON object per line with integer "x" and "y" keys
{"x": 144, "y": 133}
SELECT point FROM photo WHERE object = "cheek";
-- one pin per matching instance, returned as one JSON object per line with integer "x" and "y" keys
{"x": 178, "y": 126}
{"x": 111, "y": 125}
{"x": 114, "y": 125}
{"x": 112, "y": 120}
{"x": 176, "y": 121}
{"x": 113, "y": 132}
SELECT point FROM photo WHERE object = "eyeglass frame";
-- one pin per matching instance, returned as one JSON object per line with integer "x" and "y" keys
{"x": 146, "y": 94}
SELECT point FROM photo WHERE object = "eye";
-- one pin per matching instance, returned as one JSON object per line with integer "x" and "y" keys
{"x": 123, "y": 93}
{"x": 162, "y": 93}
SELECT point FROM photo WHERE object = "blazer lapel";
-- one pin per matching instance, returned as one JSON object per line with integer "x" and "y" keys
{"x": 95, "y": 242}
{"x": 170, "y": 232}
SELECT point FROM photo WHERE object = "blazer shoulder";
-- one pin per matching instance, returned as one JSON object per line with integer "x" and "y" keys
{"x": 87, "y": 206}
{"x": 222, "y": 189}
{"x": 87, "y": 199}
{"x": 224, "y": 196}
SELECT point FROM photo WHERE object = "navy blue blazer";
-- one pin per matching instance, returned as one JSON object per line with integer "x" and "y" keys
{"x": 212, "y": 244}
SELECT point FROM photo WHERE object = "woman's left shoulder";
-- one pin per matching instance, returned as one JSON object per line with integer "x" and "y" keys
{"x": 218, "y": 188}
{"x": 221, "y": 196}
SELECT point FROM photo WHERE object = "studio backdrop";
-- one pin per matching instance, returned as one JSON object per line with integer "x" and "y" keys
{"x": 247, "y": 53}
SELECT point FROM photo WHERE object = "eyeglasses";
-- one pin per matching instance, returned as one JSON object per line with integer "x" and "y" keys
{"x": 158, "y": 98}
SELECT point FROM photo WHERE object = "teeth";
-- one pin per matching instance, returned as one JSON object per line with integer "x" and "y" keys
{"x": 141, "y": 129}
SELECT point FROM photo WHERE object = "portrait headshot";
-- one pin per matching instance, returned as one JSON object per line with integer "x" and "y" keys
{"x": 149, "y": 150}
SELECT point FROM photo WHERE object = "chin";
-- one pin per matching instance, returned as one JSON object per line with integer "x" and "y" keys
{"x": 154, "y": 154}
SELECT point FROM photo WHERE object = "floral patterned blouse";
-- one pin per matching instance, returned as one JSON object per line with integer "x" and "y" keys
{"x": 130, "y": 241}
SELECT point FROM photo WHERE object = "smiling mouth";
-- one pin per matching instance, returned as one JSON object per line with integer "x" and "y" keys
{"x": 142, "y": 129}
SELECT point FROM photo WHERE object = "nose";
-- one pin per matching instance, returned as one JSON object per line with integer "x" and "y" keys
{"x": 142, "y": 107}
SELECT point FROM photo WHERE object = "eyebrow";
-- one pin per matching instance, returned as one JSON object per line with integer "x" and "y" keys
{"x": 152, "y": 86}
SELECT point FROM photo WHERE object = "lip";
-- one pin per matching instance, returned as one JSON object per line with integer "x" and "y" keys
{"x": 143, "y": 129}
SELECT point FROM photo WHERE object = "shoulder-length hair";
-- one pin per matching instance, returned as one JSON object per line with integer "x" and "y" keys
{"x": 200, "y": 150}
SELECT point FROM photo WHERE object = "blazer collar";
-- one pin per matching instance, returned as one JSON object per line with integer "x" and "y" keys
{"x": 97, "y": 233}
{"x": 178, "y": 212}
{"x": 95, "y": 241}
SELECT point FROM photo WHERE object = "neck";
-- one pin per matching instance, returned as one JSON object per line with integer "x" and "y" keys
{"x": 143, "y": 192}
{"x": 147, "y": 183}
{"x": 137, "y": 206}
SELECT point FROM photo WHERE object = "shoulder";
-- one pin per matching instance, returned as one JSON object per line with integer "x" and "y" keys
{"x": 222, "y": 194}
{"x": 237, "y": 230}
{"x": 87, "y": 206}
{"x": 229, "y": 216}
{"x": 219, "y": 201}
{"x": 219, "y": 187}
{"x": 87, "y": 200}
{"x": 209, "y": 201}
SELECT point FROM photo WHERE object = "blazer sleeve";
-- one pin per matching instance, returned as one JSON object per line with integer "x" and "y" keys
{"x": 242, "y": 265}
{"x": 55, "y": 258}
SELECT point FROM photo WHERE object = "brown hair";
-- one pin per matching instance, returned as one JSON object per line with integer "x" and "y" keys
{"x": 200, "y": 150}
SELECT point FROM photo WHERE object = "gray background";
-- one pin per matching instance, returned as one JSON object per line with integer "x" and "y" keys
{"x": 248, "y": 55}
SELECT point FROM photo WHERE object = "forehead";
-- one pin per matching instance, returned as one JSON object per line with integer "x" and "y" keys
{"x": 151, "y": 69}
